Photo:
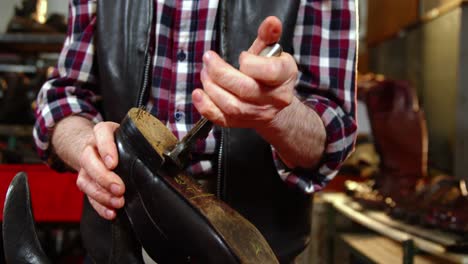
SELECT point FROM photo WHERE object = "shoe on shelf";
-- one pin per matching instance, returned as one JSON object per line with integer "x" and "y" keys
{"x": 420, "y": 200}
{"x": 392, "y": 106}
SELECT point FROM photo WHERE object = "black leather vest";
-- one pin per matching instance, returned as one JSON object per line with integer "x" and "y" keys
{"x": 249, "y": 181}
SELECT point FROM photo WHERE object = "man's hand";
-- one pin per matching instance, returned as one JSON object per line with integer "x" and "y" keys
{"x": 253, "y": 95}
{"x": 260, "y": 95}
{"x": 93, "y": 153}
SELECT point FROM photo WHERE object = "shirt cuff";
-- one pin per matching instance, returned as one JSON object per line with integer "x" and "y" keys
{"x": 49, "y": 113}
{"x": 341, "y": 132}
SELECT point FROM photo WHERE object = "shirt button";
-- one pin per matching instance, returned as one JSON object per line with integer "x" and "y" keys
{"x": 181, "y": 56}
{"x": 179, "y": 115}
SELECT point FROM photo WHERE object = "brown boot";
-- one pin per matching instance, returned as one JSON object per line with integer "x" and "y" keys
{"x": 400, "y": 137}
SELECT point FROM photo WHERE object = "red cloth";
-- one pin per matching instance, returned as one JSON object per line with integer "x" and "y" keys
{"x": 54, "y": 196}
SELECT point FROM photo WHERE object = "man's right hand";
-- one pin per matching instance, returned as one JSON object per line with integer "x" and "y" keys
{"x": 91, "y": 150}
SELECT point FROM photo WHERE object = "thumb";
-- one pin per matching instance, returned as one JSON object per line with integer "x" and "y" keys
{"x": 269, "y": 32}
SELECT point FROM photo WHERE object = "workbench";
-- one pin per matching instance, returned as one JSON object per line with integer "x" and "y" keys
{"x": 385, "y": 240}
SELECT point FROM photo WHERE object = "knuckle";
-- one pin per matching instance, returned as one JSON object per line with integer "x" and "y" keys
{"x": 101, "y": 179}
{"x": 213, "y": 72}
{"x": 79, "y": 183}
{"x": 99, "y": 196}
{"x": 246, "y": 89}
{"x": 203, "y": 111}
{"x": 220, "y": 120}
{"x": 86, "y": 187}
{"x": 217, "y": 117}
{"x": 208, "y": 88}
{"x": 94, "y": 193}
{"x": 218, "y": 72}
{"x": 274, "y": 71}
{"x": 232, "y": 109}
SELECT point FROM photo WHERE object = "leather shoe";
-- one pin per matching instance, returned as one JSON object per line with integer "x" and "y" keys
{"x": 166, "y": 204}
{"x": 109, "y": 241}
{"x": 20, "y": 241}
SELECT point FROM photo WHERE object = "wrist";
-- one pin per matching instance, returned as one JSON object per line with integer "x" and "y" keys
{"x": 69, "y": 138}
{"x": 282, "y": 120}
{"x": 297, "y": 134}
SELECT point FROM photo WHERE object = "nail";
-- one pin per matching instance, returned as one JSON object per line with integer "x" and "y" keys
{"x": 197, "y": 96}
{"x": 109, "y": 213}
{"x": 116, "y": 189}
{"x": 108, "y": 161}
{"x": 207, "y": 56}
{"x": 115, "y": 202}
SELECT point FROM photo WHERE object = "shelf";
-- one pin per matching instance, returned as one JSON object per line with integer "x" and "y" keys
{"x": 408, "y": 14}
{"x": 18, "y": 68}
{"x": 19, "y": 38}
{"x": 31, "y": 43}
{"x": 443, "y": 238}
{"x": 375, "y": 221}
{"x": 378, "y": 249}
{"x": 429, "y": 14}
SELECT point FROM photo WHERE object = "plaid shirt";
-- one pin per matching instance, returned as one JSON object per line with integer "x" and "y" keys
{"x": 325, "y": 42}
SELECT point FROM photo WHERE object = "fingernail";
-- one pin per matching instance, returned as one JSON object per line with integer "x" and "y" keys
{"x": 108, "y": 161}
{"x": 196, "y": 96}
{"x": 207, "y": 56}
{"x": 115, "y": 202}
{"x": 109, "y": 213}
{"x": 116, "y": 189}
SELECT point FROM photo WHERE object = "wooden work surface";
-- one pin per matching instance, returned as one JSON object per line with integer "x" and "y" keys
{"x": 368, "y": 219}
{"x": 380, "y": 249}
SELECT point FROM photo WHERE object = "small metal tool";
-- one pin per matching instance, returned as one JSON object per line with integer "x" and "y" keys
{"x": 180, "y": 153}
